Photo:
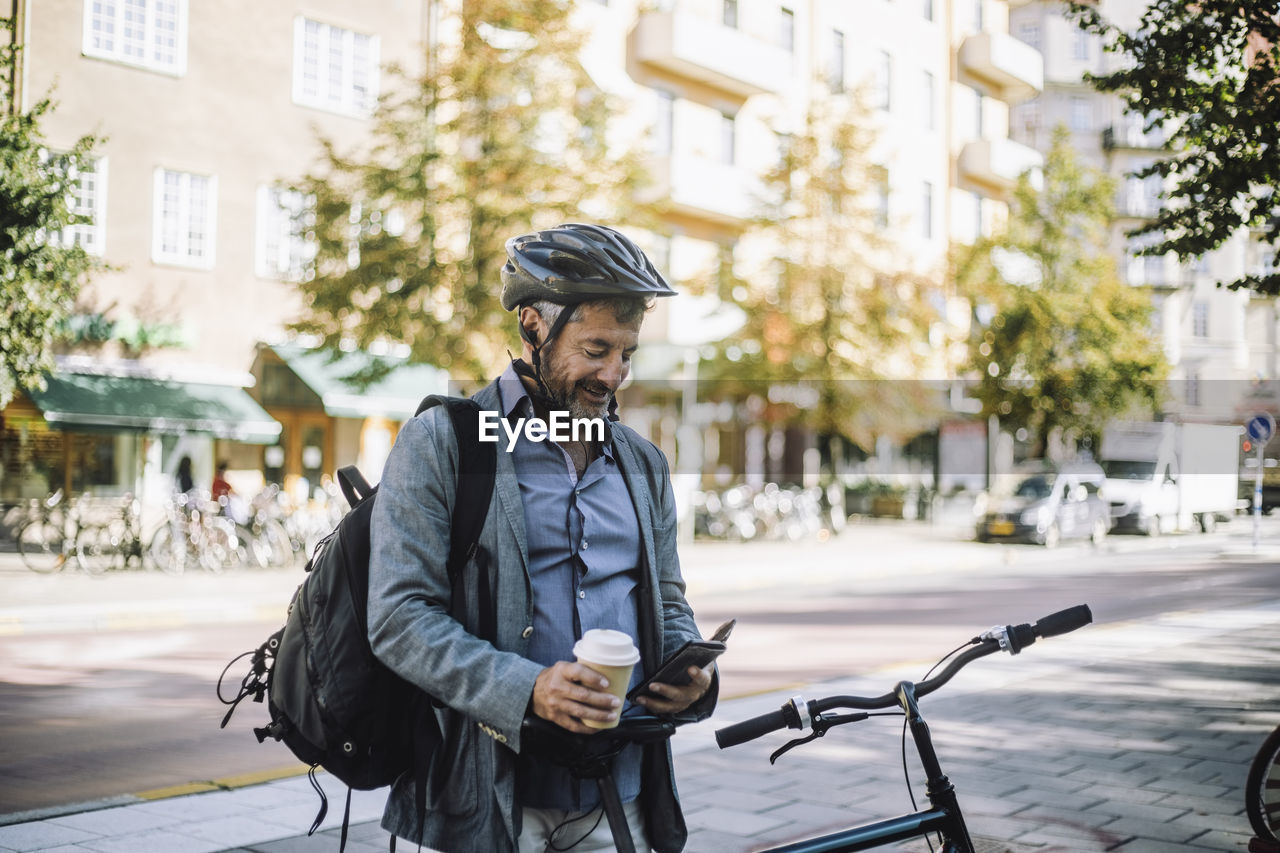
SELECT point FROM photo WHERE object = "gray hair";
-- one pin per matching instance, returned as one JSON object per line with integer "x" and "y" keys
{"x": 625, "y": 309}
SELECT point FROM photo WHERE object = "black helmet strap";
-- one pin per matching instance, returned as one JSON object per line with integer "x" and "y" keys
{"x": 537, "y": 346}
{"x": 543, "y": 395}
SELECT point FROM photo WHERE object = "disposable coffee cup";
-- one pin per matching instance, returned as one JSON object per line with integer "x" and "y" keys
{"x": 613, "y": 655}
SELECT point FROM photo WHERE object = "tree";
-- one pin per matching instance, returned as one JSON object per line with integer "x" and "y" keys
{"x": 1205, "y": 73}
{"x": 503, "y": 132}
{"x": 40, "y": 273}
{"x": 837, "y": 317}
{"x": 1067, "y": 345}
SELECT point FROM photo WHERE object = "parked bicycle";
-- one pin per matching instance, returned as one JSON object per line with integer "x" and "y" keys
{"x": 194, "y": 535}
{"x": 1262, "y": 796}
{"x": 943, "y": 817}
{"x": 115, "y": 542}
{"x": 47, "y": 539}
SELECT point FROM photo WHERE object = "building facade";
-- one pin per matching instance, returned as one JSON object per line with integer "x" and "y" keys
{"x": 1218, "y": 342}
{"x": 208, "y": 109}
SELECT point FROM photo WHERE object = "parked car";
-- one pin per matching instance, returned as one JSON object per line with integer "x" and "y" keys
{"x": 1046, "y": 507}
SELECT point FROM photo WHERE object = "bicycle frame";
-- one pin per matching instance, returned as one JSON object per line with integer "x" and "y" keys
{"x": 943, "y": 817}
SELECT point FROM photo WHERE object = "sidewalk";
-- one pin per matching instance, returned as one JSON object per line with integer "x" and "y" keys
{"x": 1132, "y": 737}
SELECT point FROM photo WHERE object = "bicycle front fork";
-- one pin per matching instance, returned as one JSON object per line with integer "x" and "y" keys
{"x": 941, "y": 793}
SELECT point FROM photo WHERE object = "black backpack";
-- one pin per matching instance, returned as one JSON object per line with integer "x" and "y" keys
{"x": 330, "y": 700}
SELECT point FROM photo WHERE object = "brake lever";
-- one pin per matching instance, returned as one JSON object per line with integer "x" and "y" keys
{"x": 820, "y": 726}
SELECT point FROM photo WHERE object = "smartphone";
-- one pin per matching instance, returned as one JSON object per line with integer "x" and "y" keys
{"x": 675, "y": 669}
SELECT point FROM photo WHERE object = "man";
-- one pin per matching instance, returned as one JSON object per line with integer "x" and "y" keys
{"x": 579, "y": 535}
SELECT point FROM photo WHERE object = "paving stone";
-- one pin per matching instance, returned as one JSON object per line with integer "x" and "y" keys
{"x": 117, "y": 821}
{"x": 242, "y": 829}
{"x": 156, "y": 841}
{"x": 1170, "y": 833}
{"x": 40, "y": 834}
{"x": 733, "y": 822}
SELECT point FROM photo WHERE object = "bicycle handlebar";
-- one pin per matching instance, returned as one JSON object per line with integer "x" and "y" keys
{"x": 796, "y": 714}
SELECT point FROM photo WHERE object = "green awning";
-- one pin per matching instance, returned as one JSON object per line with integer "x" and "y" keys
{"x": 89, "y": 402}
{"x": 395, "y": 395}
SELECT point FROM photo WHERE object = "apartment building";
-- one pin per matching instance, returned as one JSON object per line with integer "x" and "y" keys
{"x": 207, "y": 108}
{"x": 1217, "y": 341}
{"x": 718, "y": 83}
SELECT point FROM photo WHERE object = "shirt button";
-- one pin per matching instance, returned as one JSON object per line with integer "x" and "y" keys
{"x": 585, "y": 544}
{"x": 582, "y": 593}
{"x": 527, "y": 632}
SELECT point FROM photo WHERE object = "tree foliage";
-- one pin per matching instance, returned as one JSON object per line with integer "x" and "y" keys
{"x": 504, "y": 132}
{"x": 40, "y": 274}
{"x": 837, "y": 321}
{"x": 1067, "y": 345}
{"x": 1205, "y": 73}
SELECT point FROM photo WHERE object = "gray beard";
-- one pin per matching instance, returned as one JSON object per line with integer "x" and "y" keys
{"x": 565, "y": 401}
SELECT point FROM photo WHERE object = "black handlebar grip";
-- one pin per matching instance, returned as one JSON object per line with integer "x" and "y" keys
{"x": 1064, "y": 621}
{"x": 750, "y": 729}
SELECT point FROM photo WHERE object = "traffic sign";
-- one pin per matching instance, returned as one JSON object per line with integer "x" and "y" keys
{"x": 1261, "y": 427}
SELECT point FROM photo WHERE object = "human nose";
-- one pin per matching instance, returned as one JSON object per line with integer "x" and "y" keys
{"x": 614, "y": 372}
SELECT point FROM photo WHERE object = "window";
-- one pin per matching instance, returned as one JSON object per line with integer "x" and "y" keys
{"x": 730, "y": 13}
{"x": 150, "y": 34}
{"x": 282, "y": 248}
{"x": 1193, "y": 387}
{"x": 1028, "y": 116}
{"x": 880, "y": 180}
{"x": 1200, "y": 318}
{"x": 1152, "y": 188}
{"x": 787, "y": 29}
{"x": 728, "y": 141}
{"x": 89, "y": 201}
{"x": 334, "y": 69}
{"x": 184, "y": 220}
{"x": 927, "y": 94}
{"x": 1080, "y": 46}
{"x": 835, "y": 73}
{"x": 1081, "y": 115}
{"x": 882, "y": 97}
{"x": 1029, "y": 32}
{"x": 664, "y": 123}
{"x": 979, "y": 120}
{"x": 926, "y": 211}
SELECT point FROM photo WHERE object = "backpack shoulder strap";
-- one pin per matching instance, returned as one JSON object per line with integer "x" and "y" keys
{"x": 477, "y": 468}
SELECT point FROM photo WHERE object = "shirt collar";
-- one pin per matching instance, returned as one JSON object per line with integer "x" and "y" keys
{"x": 516, "y": 403}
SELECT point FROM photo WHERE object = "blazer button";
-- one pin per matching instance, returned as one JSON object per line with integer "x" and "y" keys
{"x": 527, "y": 632}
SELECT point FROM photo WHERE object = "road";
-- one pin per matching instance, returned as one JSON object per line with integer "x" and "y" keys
{"x": 87, "y": 716}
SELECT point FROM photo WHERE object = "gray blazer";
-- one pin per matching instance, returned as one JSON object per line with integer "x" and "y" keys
{"x": 487, "y": 687}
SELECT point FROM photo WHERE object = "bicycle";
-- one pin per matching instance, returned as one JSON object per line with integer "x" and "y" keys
{"x": 944, "y": 817}
{"x": 47, "y": 539}
{"x": 1262, "y": 796}
{"x": 114, "y": 543}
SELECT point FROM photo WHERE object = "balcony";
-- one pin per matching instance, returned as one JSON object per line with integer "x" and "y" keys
{"x": 695, "y": 186}
{"x": 1003, "y": 61}
{"x": 724, "y": 58}
{"x": 999, "y": 162}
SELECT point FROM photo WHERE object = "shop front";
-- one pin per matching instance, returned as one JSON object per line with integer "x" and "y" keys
{"x": 106, "y": 435}
{"x": 334, "y": 409}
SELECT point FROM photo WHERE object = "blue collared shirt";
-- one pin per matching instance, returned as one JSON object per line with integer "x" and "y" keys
{"x": 584, "y": 557}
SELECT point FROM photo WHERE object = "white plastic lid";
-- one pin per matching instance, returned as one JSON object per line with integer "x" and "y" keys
{"x": 607, "y": 648}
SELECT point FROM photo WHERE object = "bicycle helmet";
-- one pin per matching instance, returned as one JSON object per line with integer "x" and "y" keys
{"x": 569, "y": 265}
{"x": 575, "y": 263}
